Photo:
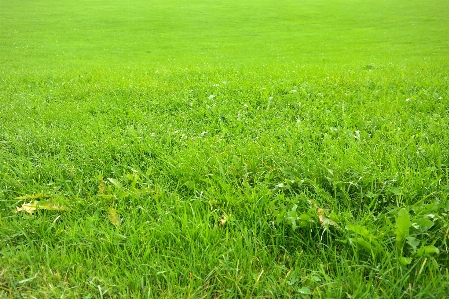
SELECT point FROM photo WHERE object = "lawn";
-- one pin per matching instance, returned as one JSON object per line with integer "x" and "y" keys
{"x": 234, "y": 149}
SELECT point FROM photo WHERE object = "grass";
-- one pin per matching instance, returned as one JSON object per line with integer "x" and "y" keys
{"x": 224, "y": 150}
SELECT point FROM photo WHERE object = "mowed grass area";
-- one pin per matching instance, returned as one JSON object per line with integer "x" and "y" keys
{"x": 234, "y": 149}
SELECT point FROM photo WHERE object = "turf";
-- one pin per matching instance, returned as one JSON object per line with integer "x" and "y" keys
{"x": 238, "y": 149}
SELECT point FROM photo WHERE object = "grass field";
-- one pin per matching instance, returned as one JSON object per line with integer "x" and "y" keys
{"x": 233, "y": 149}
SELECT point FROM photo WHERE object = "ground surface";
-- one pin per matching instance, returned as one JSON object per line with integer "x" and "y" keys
{"x": 234, "y": 149}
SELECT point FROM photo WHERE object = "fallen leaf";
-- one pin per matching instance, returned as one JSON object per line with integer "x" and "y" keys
{"x": 325, "y": 222}
{"x": 41, "y": 205}
{"x": 101, "y": 188}
{"x": 223, "y": 220}
{"x": 114, "y": 217}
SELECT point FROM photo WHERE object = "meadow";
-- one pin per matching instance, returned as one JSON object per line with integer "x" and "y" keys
{"x": 233, "y": 149}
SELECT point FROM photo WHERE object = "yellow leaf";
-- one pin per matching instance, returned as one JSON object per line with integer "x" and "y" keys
{"x": 41, "y": 205}
{"x": 223, "y": 220}
{"x": 325, "y": 222}
{"x": 101, "y": 188}
{"x": 28, "y": 207}
{"x": 32, "y": 196}
{"x": 114, "y": 217}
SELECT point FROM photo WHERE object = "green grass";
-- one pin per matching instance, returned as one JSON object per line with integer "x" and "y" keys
{"x": 218, "y": 132}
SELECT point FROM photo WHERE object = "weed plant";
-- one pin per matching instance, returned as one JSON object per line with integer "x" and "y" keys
{"x": 237, "y": 149}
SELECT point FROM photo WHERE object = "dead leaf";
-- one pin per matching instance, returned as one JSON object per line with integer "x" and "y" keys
{"x": 224, "y": 219}
{"x": 114, "y": 217}
{"x": 101, "y": 188}
{"x": 41, "y": 205}
{"x": 325, "y": 222}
